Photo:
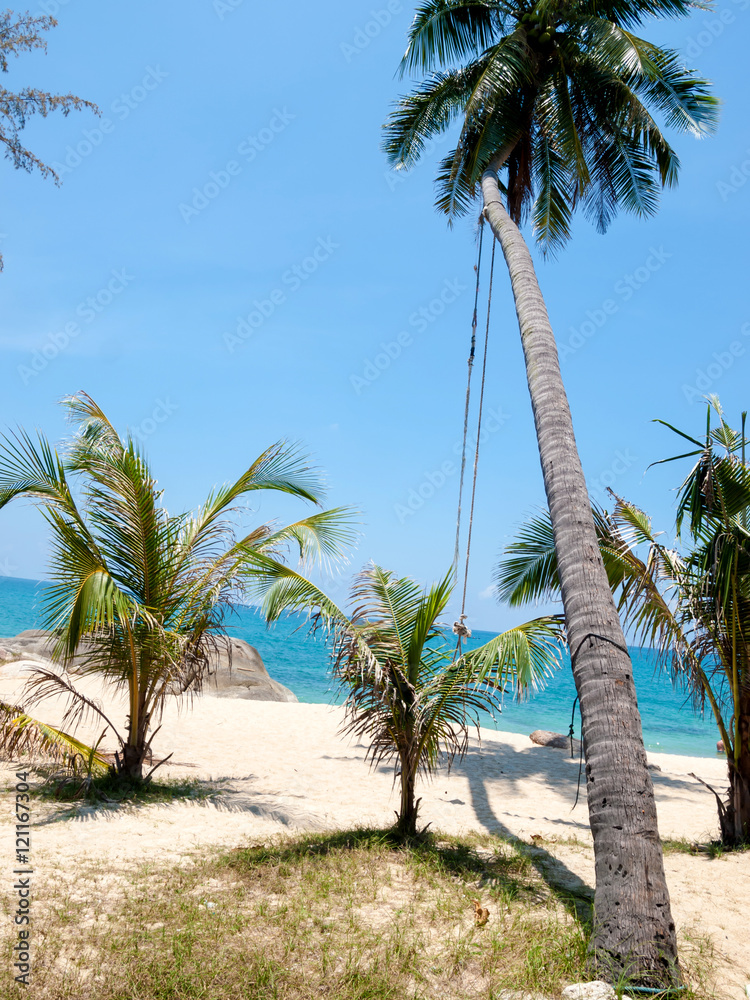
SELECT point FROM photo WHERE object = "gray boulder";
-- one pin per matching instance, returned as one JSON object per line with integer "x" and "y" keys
{"x": 33, "y": 642}
{"x": 544, "y": 738}
{"x": 236, "y": 671}
{"x": 36, "y": 644}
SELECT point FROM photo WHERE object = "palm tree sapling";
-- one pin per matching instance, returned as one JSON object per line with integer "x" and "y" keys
{"x": 142, "y": 593}
{"x": 406, "y": 692}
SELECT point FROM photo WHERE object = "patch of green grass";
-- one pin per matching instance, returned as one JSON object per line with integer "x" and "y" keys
{"x": 711, "y": 848}
{"x": 347, "y": 916}
{"x": 679, "y": 846}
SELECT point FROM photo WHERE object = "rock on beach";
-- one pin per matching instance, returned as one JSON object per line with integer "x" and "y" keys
{"x": 236, "y": 670}
{"x": 544, "y": 738}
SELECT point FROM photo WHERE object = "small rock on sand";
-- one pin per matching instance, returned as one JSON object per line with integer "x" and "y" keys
{"x": 596, "y": 990}
{"x": 544, "y": 738}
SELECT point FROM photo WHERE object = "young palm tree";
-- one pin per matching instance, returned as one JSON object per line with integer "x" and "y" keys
{"x": 144, "y": 593}
{"x": 693, "y": 607}
{"x": 559, "y": 98}
{"x": 406, "y": 692}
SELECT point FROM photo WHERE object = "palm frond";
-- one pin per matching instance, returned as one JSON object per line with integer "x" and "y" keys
{"x": 420, "y": 117}
{"x": 552, "y": 208}
{"x": 631, "y": 13}
{"x": 284, "y": 590}
{"x": 682, "y": 98}
{"x": 282, "y": 467}
{"x": 20, "y": 735}
{"x": 528, "y": 570}
{"x": 32, "y": 470}
{"x": 523, "y": 656}
{"x": 328, "y": 534}
{"x": 445, "y": 31}
{"x": 95, "y": 435}
{"x": 95, "y": 607}
{"x": 45, "y": 683}
{"x": 424, "y": 626}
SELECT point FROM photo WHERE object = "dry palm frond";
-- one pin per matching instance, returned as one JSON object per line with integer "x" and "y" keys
{"x": 20, "y": 734}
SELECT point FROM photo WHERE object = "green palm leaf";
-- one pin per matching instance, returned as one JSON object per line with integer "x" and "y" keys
{"x": 444, "y": 31}
{"x": 523, "y": 656}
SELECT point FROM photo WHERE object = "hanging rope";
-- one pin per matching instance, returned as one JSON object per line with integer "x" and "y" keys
{"x": 477, "y": 268}
{"x": 571, "y": 731}
{"x": 580, "y": 752}
{"x": 459, "y": 627}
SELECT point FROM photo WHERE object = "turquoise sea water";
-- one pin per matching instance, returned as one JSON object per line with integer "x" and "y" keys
{"x": 301, "y": 662}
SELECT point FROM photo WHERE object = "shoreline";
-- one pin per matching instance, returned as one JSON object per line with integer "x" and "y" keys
{"x": 13, "y": 675}
{"x": 708, "y": 755}
{"x": 303, "y": 668}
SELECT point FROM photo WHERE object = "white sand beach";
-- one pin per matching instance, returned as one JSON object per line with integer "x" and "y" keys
{"x": 284, "y": 768}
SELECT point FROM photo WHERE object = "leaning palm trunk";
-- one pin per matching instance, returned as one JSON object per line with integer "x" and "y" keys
{"x": 735, "y": 817}
{"x": 634, "y": 933}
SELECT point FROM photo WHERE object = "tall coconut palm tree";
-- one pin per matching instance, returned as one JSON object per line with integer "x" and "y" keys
{"x": 556, "y": 102}
{"x": 406, "y": 691}
{"x": 142, "y": 593}
{"x": 692, "y": 606}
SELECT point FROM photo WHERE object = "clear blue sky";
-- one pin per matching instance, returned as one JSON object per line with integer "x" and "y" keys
{"x": 237, "y": 161}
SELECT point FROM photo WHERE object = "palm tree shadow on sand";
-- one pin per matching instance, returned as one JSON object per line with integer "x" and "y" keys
{"x": 482, "y": 765}
{"x": 571, "y": 890}
{"x": 223, "y": 795}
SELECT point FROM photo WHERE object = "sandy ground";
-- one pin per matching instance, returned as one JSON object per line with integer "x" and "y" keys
{"x": 284, "y": 767}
